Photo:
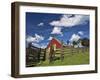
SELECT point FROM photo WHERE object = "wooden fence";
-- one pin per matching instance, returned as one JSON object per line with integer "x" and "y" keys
{"x": 68, "y": 51}
{"x": 34, "y": 56}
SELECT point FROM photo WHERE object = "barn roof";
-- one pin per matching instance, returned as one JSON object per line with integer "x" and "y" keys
{"x": 57, "y": 39}
{"x": 52, "y": 40}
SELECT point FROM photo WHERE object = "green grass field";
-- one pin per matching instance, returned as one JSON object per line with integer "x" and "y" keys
{"x": 69, "y": 59}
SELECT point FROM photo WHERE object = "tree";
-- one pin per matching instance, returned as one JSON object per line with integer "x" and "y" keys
{"x": 85, "y": 42}
{"x": 74, "y": 43}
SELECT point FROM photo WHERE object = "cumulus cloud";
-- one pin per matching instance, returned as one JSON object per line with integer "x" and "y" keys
{"x": 37, "y": 38}
{"x": 36, "y": 45}
{"x": 80, "y": 33}
{"x": 56, "y": 30}
{"x": 70, "y": 20}
{"x": 30, "y": 39}
{"x": 50, "y": 38}
{"x": 41, "y": 24}
{"x": 75, "y": 37}
{"x": 39, "y": 45}
{"x": 43, "y": 46}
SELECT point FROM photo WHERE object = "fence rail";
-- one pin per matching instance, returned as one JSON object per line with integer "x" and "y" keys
{"x": 35, "y": 55}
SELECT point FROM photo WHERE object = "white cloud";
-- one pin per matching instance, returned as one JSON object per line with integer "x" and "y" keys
{"x": 43, "y": 46}
{"x": 37, "y": 38}
{"x": 30, "y": 39}
{"x": 39, "y": 45}
{"x": 70, "y": 20}
{"x": 80, "y": 33}
{"x": 50, "y": 38}
{"x": 41, "y": 24}
{"x": 74, "y": 37}
{"x": 36, "y": 45}
{"x": 56, "y": 30}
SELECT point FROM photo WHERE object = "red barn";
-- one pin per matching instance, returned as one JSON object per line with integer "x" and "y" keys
{"x": 55, "y": 42}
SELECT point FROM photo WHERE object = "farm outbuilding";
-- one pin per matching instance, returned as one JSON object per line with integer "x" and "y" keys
{"x": 54, "y": 44}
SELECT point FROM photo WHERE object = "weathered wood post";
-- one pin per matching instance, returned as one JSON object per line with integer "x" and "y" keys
{"x": 44, "y": 57}
{"x": 51, "y": 54}
{"x": 62, "y": 52}
{"x": 39, "y": 53}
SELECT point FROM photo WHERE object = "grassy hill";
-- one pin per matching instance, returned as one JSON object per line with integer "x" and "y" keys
{"x": 69, "y": 59}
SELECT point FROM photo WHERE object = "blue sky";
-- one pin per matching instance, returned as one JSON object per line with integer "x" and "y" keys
{"x": 40, "y": 27}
